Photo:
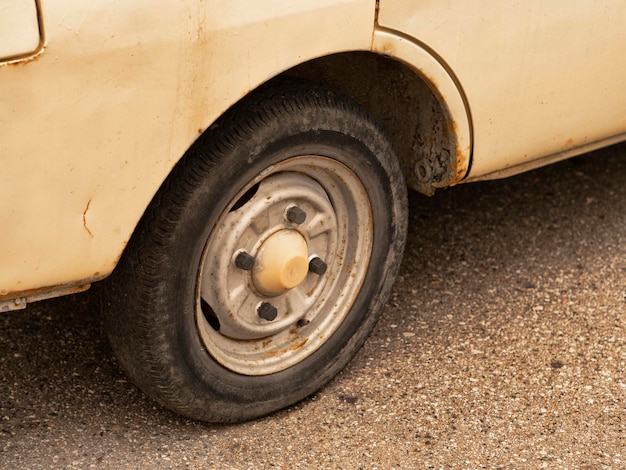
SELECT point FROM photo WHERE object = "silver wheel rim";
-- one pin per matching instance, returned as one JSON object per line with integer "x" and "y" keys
{"x": 253, "y": 326}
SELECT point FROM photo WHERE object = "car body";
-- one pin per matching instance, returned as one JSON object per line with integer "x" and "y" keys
{"x": 99, "y": 107}
{"x": 101, "y": 100}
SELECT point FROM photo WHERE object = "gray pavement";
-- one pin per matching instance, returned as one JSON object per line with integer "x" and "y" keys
{"x": 503, "y": 346}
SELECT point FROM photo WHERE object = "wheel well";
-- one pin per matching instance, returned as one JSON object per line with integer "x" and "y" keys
{"x": 403, "y": 103}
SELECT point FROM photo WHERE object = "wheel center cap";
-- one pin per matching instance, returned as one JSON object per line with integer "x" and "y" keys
{"x": 282, "y": 262}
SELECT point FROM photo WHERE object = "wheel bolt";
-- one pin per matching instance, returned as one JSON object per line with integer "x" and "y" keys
{"x": 317, "y": 266}
{"x": 296, "y": 215}
{"x": 244, "y": 261}
{"x": 267, "y": 311}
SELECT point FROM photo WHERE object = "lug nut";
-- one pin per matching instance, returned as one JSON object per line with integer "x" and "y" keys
{"x": 267, "y": 311}
{"x": 244, "y": 261}
{"x": 296, "y": 215}
{"x": 317, "y": 266}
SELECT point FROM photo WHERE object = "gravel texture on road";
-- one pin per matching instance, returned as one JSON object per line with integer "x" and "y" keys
{"x": 503, "y": 346}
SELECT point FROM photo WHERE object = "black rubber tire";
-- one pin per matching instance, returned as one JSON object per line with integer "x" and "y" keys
{"x": 150, "y": 306}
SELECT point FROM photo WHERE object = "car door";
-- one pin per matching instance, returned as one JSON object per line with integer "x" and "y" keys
{"x": 541, "y": 77}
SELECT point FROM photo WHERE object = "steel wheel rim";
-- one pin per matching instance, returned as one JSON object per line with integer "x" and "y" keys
{"x": 233, "y": 320}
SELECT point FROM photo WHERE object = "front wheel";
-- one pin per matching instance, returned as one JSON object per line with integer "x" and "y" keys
{"x": 265, "y": 259}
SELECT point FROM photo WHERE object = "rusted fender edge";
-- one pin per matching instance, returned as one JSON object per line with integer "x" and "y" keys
{"x": 434, "y": 172}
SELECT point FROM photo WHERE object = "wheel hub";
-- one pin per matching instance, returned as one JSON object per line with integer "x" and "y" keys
{"x": 281, "y": 263}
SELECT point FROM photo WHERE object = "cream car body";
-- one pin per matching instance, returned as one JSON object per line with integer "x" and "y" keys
{"x": 101, "y": 99}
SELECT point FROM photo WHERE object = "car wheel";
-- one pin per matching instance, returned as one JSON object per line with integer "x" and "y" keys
{"x": 265, "y": 259}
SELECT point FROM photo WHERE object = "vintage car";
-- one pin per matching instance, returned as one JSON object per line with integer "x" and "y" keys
{"x": 237, "y": 170}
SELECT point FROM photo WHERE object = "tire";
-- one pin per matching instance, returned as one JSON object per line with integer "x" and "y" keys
{"x": 264, "y": 261}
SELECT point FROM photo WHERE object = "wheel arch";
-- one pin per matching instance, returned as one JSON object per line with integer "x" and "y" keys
{"x": 405, "y": 88}
{"x": 414, "y": 97}
{"x": 447, "y": 158}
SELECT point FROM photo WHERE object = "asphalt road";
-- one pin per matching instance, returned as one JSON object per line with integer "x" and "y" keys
{"x": 503, "y": 346}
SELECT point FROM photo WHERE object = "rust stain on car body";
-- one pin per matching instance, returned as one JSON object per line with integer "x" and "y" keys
{"x": 85, "y": 219}
{"x": 437, "y": 160}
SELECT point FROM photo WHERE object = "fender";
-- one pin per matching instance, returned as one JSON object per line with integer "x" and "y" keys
{"x": 441, "y": 79}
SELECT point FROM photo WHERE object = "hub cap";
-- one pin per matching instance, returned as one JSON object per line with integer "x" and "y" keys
{"x": 284, "y": 265}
